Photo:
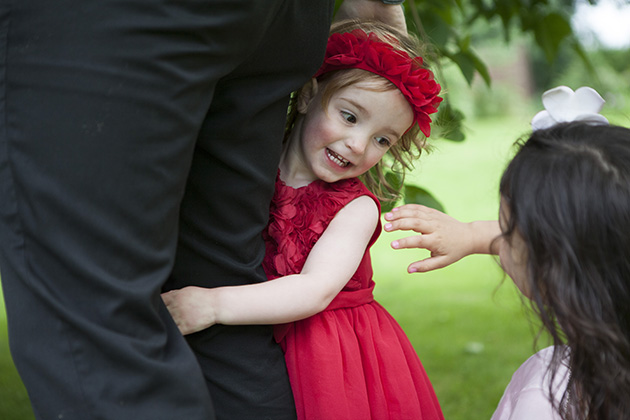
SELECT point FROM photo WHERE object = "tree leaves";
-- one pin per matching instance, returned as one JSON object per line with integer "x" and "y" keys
{"x": 449, "y": 123}
{"x": 550, "y": 31}
{"x": 451, "y": 28}
{"x": 450, "y": 25}
{"x": 417, "y": 195}
{"x": 412, "y": 194}
{"x": 469, "y": 63}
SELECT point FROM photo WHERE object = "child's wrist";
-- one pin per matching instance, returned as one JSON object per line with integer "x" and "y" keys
{"x": 211, "y": 311}
{"x": 482, "y": 236}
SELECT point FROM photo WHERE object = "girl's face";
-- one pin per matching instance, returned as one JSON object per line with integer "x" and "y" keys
{"x": 352, "y": 134}
{"x": 513, "y": 253}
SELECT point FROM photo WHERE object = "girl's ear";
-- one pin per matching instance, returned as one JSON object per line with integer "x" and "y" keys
{"x": 306, "y": 95}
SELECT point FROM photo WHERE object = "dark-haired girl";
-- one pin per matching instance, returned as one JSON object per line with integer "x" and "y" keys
{"x": 564, "y": 238}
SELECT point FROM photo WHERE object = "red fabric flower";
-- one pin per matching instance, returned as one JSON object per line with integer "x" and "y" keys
{"x": 356, "y": 49}
{"x": 294, "y": 227}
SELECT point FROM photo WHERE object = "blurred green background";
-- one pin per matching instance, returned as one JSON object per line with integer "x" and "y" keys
{"x": 466, "y": 321}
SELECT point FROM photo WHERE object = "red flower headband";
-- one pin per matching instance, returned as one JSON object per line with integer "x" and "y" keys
{"x": 359, "y": 50}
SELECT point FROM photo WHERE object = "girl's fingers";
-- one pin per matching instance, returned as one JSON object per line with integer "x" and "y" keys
{"x": 415, "y": 224}
{"x": 408, "y": 210}
{"x": 417, "y": 241}
{"x": 406, "y": 225}
{"x": 429, "y": 264}
{"x": 415, "y": 217}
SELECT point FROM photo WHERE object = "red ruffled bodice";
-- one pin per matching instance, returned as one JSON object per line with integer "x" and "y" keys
{"x": 299, "y": 216}
{"x": 352, "y": 360}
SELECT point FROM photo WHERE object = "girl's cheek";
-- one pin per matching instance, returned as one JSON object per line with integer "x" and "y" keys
{"x": 515, "y": 266}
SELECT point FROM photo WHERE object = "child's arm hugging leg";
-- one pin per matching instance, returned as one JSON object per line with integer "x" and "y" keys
{"x": 329, "y": 266}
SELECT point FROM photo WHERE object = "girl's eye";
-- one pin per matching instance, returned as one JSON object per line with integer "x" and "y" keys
{"x": 383, "y": 141}
{"x": 349, "y": 117}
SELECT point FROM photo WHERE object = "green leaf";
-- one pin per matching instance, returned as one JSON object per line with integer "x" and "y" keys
{"x": 506, "y": 9}
{"x": 387, "y": 206}
{"x": 481, "y": 67}
{"x": 550, "y": 32}
{"x": 469, "y": 62}
{"x": 466, "y": 66}
{"x": 393, "y": 179}
{"x": 449, "y": 123}
{"x": 464, "y": 43}
{"x": 417, "y": 195}
{"x": 434, "y": 26}
{"x": 584, "y": 57}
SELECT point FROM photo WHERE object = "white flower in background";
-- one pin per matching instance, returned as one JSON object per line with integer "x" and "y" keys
{"x": 563, "y": 105}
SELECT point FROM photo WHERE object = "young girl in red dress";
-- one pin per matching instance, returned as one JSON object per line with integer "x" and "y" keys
{"x": 346, "y": 356}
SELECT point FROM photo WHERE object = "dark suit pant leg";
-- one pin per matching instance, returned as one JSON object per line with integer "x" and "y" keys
{"x": 226, "y": 205}
{"x": 101, "y": 105}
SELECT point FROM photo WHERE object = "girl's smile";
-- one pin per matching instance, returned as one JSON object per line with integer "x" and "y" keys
{"x": 337, "y": 159}
{"x": 348, "y": 136}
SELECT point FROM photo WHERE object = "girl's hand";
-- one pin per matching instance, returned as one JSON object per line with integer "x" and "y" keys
{"x": 448, "y": 239}
{"x": 191, "y": 308}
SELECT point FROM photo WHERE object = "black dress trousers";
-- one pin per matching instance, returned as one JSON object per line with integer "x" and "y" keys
{"x": 114, "y": 115}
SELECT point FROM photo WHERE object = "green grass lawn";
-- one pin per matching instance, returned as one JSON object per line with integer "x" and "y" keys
{"x": 470, "y": 336}
{"x": 14, "y": 403}
{"x": 470, "y": 333}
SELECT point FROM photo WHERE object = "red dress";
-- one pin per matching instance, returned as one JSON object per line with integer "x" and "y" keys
{"x": 351, "y": 361}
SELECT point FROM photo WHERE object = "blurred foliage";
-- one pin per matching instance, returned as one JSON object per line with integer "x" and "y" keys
{"x": 410, "y": 194}
{"x": 455, "y": 28}
{"x": 610, "y": 79}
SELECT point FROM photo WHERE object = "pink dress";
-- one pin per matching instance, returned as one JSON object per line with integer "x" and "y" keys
{"x": 527, "y": 395}
{"x": 351, "y": 361}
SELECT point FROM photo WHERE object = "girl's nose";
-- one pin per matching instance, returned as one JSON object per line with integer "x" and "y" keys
{"x": 357, "y": 144}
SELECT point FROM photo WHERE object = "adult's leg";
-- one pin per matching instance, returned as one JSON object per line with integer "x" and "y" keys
{"x": 226, "y": 203}
{"x": 101, "y": 103}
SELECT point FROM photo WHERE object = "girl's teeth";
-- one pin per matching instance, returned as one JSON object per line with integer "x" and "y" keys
{"x": 337, "y": 159}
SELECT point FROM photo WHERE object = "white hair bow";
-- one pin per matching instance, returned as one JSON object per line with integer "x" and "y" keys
{"x": 563, "y": 105}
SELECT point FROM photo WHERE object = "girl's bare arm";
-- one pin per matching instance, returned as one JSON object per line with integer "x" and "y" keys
{"x": 330, "y": 264}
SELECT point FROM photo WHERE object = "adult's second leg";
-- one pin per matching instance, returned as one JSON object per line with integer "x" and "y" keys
{"x": 226, "y": 204}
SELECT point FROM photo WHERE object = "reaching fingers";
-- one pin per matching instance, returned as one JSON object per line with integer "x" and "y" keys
{"x": 448, "y": 239}
{"x": 440, "y": 257}
{"x": 411, "y": 217}
{"x": 409, "y": 210}
{"x": 429, "y": 264}
{"x": 416, "y": 225}
{"x": 417, "y": 241}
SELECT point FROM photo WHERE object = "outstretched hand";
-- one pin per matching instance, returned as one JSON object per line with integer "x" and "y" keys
{"x": 190, "y": 308}
{"x": 448, "y": 239}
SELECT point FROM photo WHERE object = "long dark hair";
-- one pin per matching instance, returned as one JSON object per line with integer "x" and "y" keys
{"x": 568, "y": 195}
